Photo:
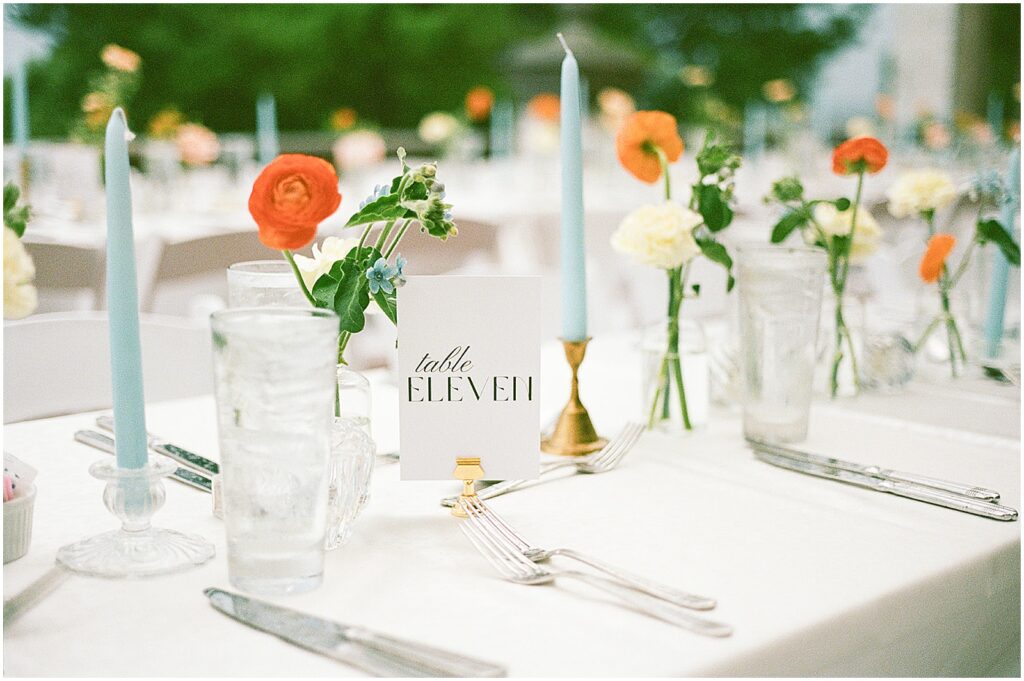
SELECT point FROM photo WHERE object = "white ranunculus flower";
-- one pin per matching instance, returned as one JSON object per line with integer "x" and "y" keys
{"x": 325, "y": 255}
{"x": 19, "y": 270}
{"x": 917, "y": 191}
{"x": 437, "y": 127}
{"x": 359, "y": 149}
{"x": 660, "y": 235}
{"x": 835, "y": 222}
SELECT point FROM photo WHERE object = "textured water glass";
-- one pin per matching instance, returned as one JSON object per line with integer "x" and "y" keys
{"x": 261, "y": 283}
{"x": 780, "y": 291}
{"x": 352, "y": 455}
{"x": 274, "y": 371}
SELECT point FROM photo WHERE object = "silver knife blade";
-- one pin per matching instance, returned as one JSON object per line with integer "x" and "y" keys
{"x": 374, "y": 653}
{"x": 923, "y": 493}
{"x": 972, "y": 491}
{"x": 199, "y": 464}
{"x": 105, "y": 443}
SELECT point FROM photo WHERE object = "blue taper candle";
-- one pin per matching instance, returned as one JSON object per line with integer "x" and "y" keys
{"x": 1000, "y": 265}
{"x": 266, "y": 129}
{"x": 123, "y": 301}
{"x": 19, "y": 107}
{"x": 574, "y": 271}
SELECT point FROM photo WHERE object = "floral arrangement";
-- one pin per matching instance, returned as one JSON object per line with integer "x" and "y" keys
{"x": 615, "y": 107}
{"x": 295, "y": 192}
{"x": 343, "y": 119}
{"x": 844, "y": 229}
{"x": 920, "y": 193}
{"x": 19, "y": 294}
{"x": 111, "y": 88}
{"x": 669, "y": 235}
{"x": 197, "y": 145}
{"x": 438, "y": 128}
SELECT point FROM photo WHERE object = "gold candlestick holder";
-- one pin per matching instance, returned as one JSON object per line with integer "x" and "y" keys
{"x": 574, "y": 434}
{"x": 468, "y": 470}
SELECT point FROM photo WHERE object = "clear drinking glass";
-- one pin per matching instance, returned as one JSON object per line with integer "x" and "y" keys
{"x": 260, "y": 283}
{"x": 274, "y": 371}
{"x": 780, "y": 291}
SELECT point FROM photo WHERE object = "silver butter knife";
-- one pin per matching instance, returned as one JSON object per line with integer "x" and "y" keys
{"x": 930, "y": 495}
{"x": 105, "y": 443}
{"x": 373, "y": 653}
{"x": 972, "y": 491}
{"x": 199, "y": 464}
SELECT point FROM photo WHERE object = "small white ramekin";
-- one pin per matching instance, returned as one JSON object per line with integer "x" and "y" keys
{"x": 18, "y": 525}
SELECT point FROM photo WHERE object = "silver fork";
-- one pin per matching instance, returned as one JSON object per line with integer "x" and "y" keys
{"x": 515, "y": 567}
{"x": 598, "y": 462}
{"x": 491, "y": 523}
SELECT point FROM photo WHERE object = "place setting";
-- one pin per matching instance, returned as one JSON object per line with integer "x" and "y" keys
{"x": 587, "y": 378}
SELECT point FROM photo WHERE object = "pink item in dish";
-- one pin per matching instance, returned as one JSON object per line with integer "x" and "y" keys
{"x": 8, "y": 488}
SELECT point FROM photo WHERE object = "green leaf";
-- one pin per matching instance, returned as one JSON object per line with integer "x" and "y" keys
{"x": 352, "y": 296}
{"x": 842, "y": 204}
{"x": 992, "y": 230}
{"x": 388, "y": 303}
{"x": 11, "y": 194}
{"x": 380, "y": 210}
{"x": 325, "y": 288}
{"x": 794, "y": 219}
{"x": 716, "y": 252}
{"x": 713, "y": 208}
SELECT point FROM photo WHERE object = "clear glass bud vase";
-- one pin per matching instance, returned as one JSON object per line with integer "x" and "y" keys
{"x": 352, "y": 455}
{"x": 663, "y": 404}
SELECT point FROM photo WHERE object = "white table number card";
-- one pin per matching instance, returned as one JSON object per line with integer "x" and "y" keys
{"x": 469, "y": 375}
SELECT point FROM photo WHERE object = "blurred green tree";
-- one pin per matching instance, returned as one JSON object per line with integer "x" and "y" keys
{"x": 394, "y": 63}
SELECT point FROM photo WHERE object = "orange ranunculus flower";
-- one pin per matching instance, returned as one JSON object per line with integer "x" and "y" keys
{"x": 939, "y": 248}
{"x": 292, "y": 195}
{"x": 344, "y": 118}
{"x": 637, "y": 138}
{"x": 857, "y": 154}
{"x": 545, "y": 106}
{"x": 479, "y": 102}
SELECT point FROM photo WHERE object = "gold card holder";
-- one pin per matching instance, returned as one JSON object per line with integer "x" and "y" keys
{"x": 468, "y": 470}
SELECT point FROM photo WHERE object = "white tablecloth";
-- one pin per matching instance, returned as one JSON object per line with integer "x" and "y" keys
{"x": 816, "y": 577}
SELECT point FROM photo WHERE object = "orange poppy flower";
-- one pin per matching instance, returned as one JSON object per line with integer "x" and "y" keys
{"x": 637, "y": 138}
{"x": 545, "y": 106}
{"x": 292, "y": 195}
{"x": 939, "y": 248}
{"x": 859, "y": 154}
{"x": 479, "y": 101}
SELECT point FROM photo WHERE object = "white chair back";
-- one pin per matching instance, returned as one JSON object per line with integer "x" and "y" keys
{"x": 60, "y": 363}
{"x": 64, "y": 271}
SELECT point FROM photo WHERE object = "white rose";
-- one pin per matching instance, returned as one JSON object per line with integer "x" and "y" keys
{"x": 325, "y": 255}
{"x": 918, "y": 191}
{"x": 835, "y": 222}
{"x": 437, "y": 127}
{"x": 660, "y": 235}
{"x": 19, "y": 270}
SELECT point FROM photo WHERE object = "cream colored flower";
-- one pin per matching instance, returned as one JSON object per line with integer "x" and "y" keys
{"x": 325, "y": 255}
{"x": 917, "y": 191}
{"x": 437, "y": 127}
{"x": 660, "y": 235}
{"x": 19, "y": 270}
{"x": 860, "y": 126}
{"x": 197, "y": 144}
{"x": 834, "y": 222}
{"x": 359, "y": 149}
{"x": 120, "y": 58}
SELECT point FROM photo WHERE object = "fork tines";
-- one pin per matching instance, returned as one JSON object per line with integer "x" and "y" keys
{"x": 490, "y": 541}
{"x": 613, "y": 452}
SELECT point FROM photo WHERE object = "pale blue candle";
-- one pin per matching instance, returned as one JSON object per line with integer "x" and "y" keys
{"x": 1000, "y": 265}
{"x": 123, "y": 301}
{"x": 574, "y": 271}
{"x": 266, "y": 129}
{"x": 19, "y": 108}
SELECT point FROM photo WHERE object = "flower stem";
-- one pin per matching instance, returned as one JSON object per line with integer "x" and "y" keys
{"x": 383, "y": 237}
{"x": 398, "y": 237}
{"x": 663, "y": 161}
{"x": 298, "y": 275}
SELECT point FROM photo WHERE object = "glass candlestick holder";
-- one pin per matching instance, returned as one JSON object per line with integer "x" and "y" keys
{"x": 137, "y": 549}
